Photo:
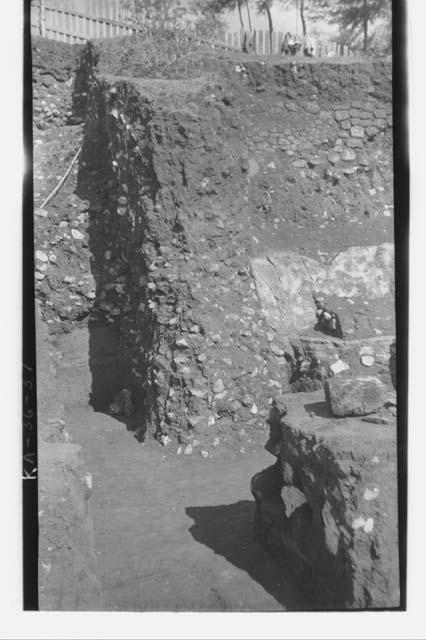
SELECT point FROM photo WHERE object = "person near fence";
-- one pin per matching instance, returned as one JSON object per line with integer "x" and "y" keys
{"x": 309, "y": 47}
{"x": 291, "y": 45}
{"x": 249, "y": 41}
{"x": 285, "y": 47}
{"x": 296, "y": 46}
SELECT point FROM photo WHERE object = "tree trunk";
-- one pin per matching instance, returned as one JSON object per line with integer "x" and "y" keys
{"x": 365, "y": 25}
{"x": 240, "y": 14}
{"x": 302, "y": 17}
{"x": 268, "y": 13}
{"x": 248, "y": 15}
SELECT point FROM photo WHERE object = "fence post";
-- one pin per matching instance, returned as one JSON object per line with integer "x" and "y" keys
{"x": 42, "y": 19}
{"x": 280, "y": 42}
{"x": 260, "y": 43}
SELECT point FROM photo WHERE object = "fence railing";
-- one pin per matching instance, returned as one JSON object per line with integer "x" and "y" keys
{"x": 100, "y": 19}
{"x": 262, "y": 45}
{"x": 66, "y": 21}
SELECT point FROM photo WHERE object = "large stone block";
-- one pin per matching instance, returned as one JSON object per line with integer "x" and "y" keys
{"x": 357, "y": 132}
{"x": 341, "y": 115}
{"x": 355, "y": 143}
{"x": 359, "y": 396}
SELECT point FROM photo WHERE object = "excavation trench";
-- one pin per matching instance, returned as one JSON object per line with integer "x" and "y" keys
{"x": 172, "y": 532}
{"x": 215, "y": 226}
{"x": 190, "y": 214}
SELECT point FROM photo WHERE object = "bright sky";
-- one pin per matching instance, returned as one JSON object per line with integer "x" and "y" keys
{"x": 283, "y": 20}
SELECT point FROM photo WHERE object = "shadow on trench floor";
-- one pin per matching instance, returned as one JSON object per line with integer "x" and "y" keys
{"x": 109, "y": 375}
{"x": 157, "y": 553}
{"x": 173, "y": 533}
{"x": 228, "y": 531}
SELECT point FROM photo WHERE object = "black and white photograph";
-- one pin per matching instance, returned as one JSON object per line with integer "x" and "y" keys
{"x": 216, "y": 196}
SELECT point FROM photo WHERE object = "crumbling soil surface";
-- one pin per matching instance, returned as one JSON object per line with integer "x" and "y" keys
{"x": 173, "y": 532}
{"x": 130, "y": 56}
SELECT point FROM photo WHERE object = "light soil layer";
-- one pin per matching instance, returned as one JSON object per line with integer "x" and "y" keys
{"x": 172, "y": 532}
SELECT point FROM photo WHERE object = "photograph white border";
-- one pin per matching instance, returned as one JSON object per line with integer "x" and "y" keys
{"x": 18, "y": 624}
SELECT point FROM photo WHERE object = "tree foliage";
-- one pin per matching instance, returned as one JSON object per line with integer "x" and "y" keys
{"x": 201, "y": 16}
{"x": 163, "y": 12}
{"x": 220, "y": 6}
{"x": 177, "y": 35}
{"x": 356, "y": 18}
{"x": 301, "y": 7}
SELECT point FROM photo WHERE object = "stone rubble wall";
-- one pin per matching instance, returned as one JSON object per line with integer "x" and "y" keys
{"x": 328, "y": 508}
{"x": 53, "y": 65}
{"x": 321, "y": 138}
{"x": 63, "y": 282}
{"x": 167, "y": 268}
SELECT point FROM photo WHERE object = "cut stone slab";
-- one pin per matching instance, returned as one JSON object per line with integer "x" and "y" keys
{"x": 351, "y": 281}
{"x": 359, "y": 396}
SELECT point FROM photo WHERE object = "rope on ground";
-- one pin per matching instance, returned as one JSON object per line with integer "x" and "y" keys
{"x": 62, "y": 180}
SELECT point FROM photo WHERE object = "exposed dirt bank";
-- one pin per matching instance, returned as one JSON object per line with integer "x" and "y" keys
{"x": 68, "y": 566}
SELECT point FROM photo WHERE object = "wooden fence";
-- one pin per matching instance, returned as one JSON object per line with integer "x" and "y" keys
{"x": 76, "y": 21}
{"x": 324, "y": 47}
{"x": 66, "y": 21}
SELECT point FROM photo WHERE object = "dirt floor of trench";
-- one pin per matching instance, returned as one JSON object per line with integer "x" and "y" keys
{"x": 173, "y": 532}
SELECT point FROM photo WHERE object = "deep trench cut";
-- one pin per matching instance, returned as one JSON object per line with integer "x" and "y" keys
{"x": 193, "y": 189}
{"x": 140, "y": 248}
{"x": 182, "y": 199}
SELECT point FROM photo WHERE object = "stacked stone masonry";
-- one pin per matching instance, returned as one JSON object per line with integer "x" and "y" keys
{"x": 328, "y": 509}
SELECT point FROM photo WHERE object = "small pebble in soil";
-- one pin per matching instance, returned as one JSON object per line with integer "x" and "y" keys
{"x": 371, "y": 494}
{"x": 369, "y": 525}
{"x": 357, "y": 523}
